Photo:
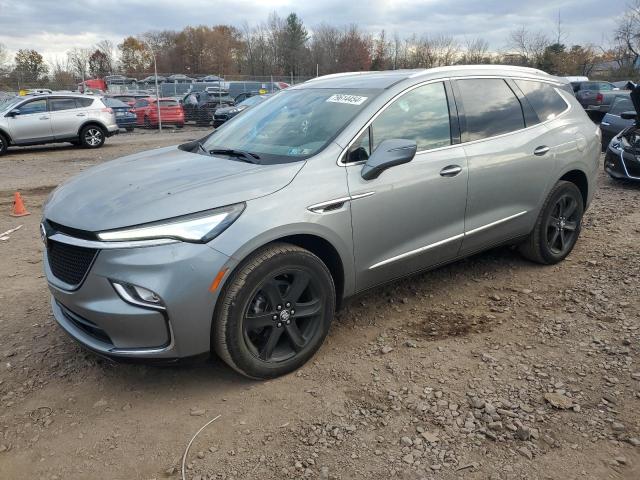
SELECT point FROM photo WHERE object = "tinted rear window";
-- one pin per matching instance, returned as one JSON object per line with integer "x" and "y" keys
{"x": 620, "y": 105}
{"x": 168, "y": 103}
{"x": 547, "y": 103}
{"x": 84, "y": 102}
{"x": 490, "y": 107}
{"x": 58, "y": 104}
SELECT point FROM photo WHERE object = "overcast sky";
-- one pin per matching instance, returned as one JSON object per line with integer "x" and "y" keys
{"x": 54, "y": 26}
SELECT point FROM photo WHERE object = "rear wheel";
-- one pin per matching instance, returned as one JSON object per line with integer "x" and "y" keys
{"x": 558, "y": 226}
{"x": 129, "y": 129}
{"x": 147, "y": 123}
{"x": 4, "y": 144}
{"x": 92, "y": 136}
{"x": 274, "y": 312}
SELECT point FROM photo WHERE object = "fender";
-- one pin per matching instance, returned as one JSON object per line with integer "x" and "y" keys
{"x": 282, "y": 232}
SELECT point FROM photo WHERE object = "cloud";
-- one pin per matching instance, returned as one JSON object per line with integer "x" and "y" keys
{"x": 54, "y": 27}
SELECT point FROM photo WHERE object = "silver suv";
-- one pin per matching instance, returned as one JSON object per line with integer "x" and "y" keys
{"x": 243, "y": 243}
{"x": 37, "y": 119}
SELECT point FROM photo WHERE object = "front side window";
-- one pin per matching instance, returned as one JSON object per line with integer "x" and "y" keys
{"x": 490, "y": 108}
{"x": 37, "y": 106}
{"x": 141, "y": 103}
{"x": 293, "y": 125}
{"x": 58, "y": 104}
{"x": 546, "y": 102}
{"x": 421, "y": 115}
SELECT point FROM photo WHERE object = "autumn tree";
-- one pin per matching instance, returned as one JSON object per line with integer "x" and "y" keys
{"x": 30, "y": 67}
{"x": 135, "y": 57}
{"x": 99, "y": 65}
{"x": 354, "y": 51}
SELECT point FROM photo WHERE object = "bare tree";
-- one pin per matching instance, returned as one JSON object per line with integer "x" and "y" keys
{"x": 627, "y": 38}
{"x": 4, "y": 59}
{"x": 476, "y": 52}
{"x": 529, "y": 45}
{"x": 78, "y": 59}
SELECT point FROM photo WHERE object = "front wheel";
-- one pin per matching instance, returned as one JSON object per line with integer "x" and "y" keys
{"x": 558, "y": 226}
{"x": 274, "y": 312}
{"x": 92, "y": 136}
{"x": 4, "y": 144}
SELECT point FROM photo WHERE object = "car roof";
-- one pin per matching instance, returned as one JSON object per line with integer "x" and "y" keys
{"x": 387, "y": 79}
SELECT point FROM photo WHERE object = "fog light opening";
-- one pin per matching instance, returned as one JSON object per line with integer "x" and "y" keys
{"x": 137, "y": 295}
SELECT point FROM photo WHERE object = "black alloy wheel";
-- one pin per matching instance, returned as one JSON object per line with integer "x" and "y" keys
{"x": 274, "y": 311}
{"x": 282, "y": 318}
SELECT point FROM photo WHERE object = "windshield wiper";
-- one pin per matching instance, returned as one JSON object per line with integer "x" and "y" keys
{"x": 249, "y": 157}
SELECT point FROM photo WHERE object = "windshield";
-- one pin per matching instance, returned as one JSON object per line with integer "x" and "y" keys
{"x": 114, "y": 103}
{"x": 253, "y": 100}
{"x": 293, "y": 125}
{"x": 621, "y": 105}
{"x": 8, "y": 102}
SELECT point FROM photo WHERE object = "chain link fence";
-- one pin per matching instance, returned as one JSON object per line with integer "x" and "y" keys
{"x": 169, "y": 84}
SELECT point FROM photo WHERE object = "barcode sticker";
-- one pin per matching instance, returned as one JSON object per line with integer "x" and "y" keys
{"x": 348, "y": 99}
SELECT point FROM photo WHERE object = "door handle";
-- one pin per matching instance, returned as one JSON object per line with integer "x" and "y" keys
{"x": 450, "y": 171}
{"x": 81, "y": 115}
{"x": 541, "y": 150}
{"x": 606, "y": 124}
{"x": 44, "y": 118}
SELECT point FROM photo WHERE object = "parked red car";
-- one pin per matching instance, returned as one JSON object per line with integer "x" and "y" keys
{"x": 146, "y": 112}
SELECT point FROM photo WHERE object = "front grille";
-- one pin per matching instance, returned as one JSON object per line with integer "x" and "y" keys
{"x": 633, "y": 166}
{"x": 69, "y": 263}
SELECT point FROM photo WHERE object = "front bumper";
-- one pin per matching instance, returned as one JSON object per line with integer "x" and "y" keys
{"x": 621, "y": 165}
{"x": 96, "y": 316}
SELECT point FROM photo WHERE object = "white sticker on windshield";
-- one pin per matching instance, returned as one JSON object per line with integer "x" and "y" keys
{"x": 348, "y": 99}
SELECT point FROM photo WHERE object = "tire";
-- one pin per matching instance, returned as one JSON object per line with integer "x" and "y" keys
{"x": 129, "y": 129}
{"x": 270, "y": 277}
{"x": 92, "y": 136}
{"x": 147, "y": 123}
{"x": 558, "y": 226}
{"x": 180, "y": 125}
{"x": 4, "y": 144}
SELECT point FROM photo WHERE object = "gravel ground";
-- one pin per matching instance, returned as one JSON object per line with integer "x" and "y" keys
{"x": 490, "y": 368}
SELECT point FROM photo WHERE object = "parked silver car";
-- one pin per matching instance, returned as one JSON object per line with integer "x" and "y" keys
{"x": 244, "y": 243}
{"x": 38, "y": 119}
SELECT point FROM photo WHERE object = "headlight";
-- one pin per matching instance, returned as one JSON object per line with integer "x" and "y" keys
{"x": 199, "y": 227}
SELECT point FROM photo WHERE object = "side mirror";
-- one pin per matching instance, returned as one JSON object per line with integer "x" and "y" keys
{"x": 389, "y": 153}
{"x": 628, "y": 115}
{"x": 14, "y": 112}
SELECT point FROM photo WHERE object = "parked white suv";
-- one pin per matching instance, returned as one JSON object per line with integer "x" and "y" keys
{"x": 37, "y": 119}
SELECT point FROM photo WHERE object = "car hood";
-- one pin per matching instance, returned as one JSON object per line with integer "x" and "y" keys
{"x": 159, "y": 184}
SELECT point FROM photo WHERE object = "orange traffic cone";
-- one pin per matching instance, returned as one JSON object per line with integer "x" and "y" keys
{"x": 18, "y": 206}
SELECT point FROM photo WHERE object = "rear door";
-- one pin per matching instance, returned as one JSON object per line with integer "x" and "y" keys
{"x": 66, "y": 117}
{"x": 509, "y": 164}
{"x": 32, "y": 124}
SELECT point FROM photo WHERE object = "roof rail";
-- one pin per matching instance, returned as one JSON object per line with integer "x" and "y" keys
{"x": 336, "y": 75}
{"x": 485, "y": 67}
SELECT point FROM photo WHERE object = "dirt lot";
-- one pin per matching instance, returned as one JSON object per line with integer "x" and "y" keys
{"x": 491, "y": 368}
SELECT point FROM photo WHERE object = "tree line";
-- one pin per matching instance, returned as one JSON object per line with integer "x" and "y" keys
{"x": 285, "y": 46}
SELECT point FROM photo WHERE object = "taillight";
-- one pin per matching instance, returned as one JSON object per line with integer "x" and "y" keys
{"x": 599, "y": 98}
{"x": 107, "y": 110}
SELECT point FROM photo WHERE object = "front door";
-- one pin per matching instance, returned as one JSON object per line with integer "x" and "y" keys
{"x": 32, "y": 124}
{"x": 412, "y": 216}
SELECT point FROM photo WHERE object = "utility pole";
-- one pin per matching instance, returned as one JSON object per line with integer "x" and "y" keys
{"x": 155, "y": 73}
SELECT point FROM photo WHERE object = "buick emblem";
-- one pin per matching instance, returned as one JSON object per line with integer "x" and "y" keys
{"x": 284, "y": 315}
